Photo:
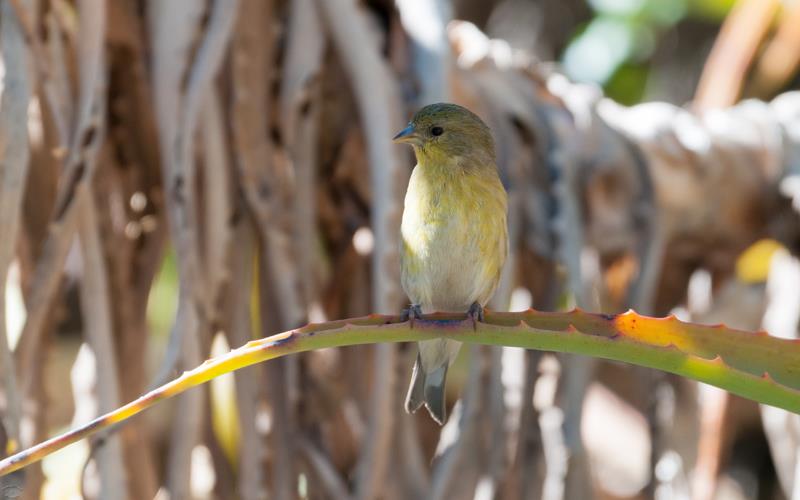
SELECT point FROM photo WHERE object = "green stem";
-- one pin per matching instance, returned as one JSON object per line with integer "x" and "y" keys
{"x": 754, "y": 365}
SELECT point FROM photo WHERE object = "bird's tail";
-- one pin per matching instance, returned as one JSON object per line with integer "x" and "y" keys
{"x": 428, "y": 385}
{"x": 428, "y": 389}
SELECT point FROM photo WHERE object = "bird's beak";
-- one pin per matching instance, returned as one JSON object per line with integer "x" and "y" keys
{"x": 408, "y": 135}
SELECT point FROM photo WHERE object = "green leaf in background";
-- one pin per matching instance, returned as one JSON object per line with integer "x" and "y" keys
{"x": 623, "y": 35}
{"x": 712, "y": 10}
{"x": 627, "y": 84}
{"x": 163, "y": 299}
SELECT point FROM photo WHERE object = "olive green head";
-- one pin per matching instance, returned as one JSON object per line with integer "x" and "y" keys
{"x": 449, "y": 131}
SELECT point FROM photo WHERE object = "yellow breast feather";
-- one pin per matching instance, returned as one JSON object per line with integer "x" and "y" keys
{"x": 454, "y": 240}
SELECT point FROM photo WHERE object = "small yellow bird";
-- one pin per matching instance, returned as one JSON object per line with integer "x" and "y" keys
{"x": 454, "y": 236}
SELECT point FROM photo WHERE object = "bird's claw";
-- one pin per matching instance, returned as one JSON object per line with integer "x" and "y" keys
{"x": 475, "y": 313}
{"x": 411, "y": 313}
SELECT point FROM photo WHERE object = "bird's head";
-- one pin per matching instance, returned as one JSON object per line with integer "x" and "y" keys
{"x": 444, "y": 133}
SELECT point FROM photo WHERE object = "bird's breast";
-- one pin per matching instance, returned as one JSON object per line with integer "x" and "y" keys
{"x": 453, "y": 238}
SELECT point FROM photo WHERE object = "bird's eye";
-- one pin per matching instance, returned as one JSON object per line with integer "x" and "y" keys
{"x": 437, "y": 131}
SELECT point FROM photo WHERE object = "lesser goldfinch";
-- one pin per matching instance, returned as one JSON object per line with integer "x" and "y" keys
{"x": 454, "y": 236}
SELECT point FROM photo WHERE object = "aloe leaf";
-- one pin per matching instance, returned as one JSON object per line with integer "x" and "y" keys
{"x": 754, "y": 365}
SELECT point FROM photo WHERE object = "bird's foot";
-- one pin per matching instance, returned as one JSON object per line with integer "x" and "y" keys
{"x": 411, "y": 313}
{"x": 475, "y": 313}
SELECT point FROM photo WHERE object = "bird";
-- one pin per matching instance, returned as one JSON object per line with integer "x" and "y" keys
{"x": 454, "y": 235}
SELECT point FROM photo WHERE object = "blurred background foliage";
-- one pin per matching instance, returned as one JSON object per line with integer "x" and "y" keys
{"x": 636, "y": 50}
{"x": 309, "y": 197}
